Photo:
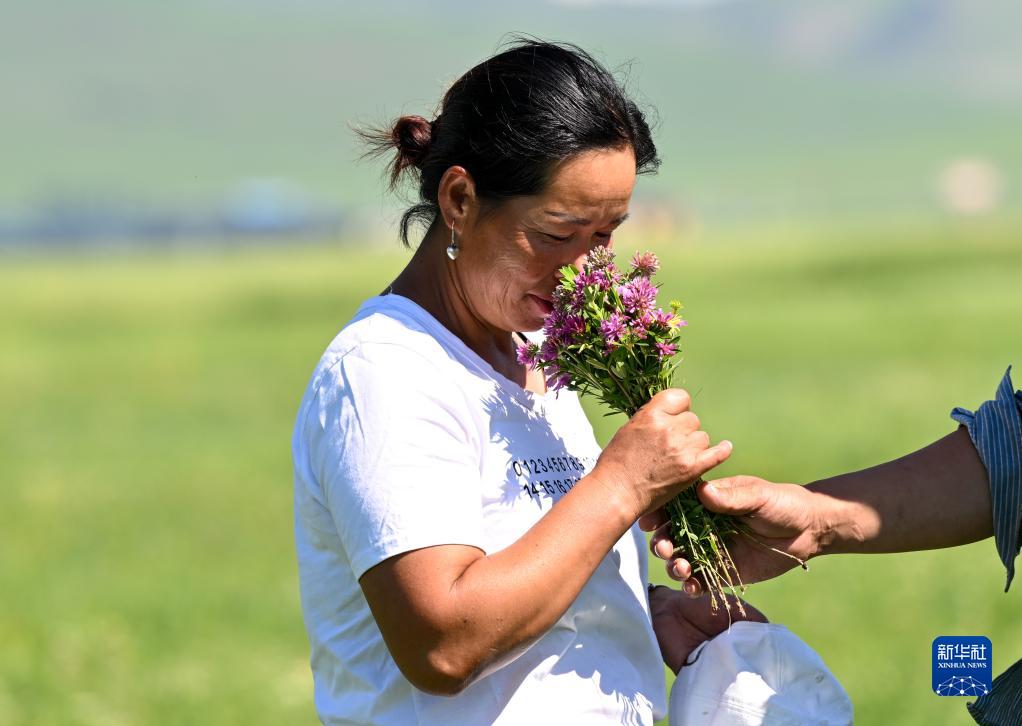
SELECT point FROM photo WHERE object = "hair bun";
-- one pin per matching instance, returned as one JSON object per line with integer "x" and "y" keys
{"x": 412, "y": 136}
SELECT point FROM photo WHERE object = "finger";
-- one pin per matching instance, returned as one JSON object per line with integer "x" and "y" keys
{"x": 699, "y": 439}
{"x": 653, "y": 520}
{"x": 687, "y": 422}
{"x": 678, "y": 568}
{"x": 736, "y": 495}
{"x": 713, "y": 456}
{"x": 660, "y": 543}
{"x": 671, "y": 400}
{"x": 693, "y": 587}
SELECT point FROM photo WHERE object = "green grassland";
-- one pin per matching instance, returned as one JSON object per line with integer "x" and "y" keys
{"x": 147, "y": 567}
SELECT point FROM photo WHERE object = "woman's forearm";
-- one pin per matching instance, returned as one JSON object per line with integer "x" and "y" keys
{"x": 449, "y": 611}
{"x": 506, "y": 600}
{"x": 936, "y": 497}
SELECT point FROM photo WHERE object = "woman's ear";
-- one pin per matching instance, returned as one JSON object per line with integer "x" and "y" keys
{"x": 457, "y": 197}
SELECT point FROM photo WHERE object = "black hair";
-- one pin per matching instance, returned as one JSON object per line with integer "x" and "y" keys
{"x": 509, "y": 120}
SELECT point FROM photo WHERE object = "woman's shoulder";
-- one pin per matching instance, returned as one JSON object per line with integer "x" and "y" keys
{"x": 389, "y": 338}
{"x": 382, "y": 366}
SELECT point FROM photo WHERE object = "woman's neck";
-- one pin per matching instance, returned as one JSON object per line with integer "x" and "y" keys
{"x": 430, "y": 279}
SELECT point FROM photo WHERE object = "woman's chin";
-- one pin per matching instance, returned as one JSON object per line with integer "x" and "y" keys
{"x": 529, "y": 323}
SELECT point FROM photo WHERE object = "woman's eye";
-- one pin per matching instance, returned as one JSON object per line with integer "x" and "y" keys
{"x": 598, "y": 235}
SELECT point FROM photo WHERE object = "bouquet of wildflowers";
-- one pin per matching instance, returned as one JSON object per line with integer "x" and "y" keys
{"x": 606, "y": 337}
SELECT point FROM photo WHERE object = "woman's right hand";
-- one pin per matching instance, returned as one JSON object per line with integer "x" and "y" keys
{"x": 659, "y": 452}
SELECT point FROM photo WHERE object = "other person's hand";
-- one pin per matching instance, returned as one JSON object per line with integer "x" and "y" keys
{"x": 784, "y": 517}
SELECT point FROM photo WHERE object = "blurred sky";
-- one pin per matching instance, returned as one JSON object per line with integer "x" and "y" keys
{"x": 765, "y": 110}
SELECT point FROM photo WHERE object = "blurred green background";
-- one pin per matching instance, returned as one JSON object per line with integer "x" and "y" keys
{"x": 184, "y": 227}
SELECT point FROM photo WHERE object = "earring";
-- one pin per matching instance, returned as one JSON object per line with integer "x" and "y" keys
{"x": 452, "y": 248}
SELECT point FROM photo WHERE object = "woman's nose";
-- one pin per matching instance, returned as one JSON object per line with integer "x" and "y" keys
{"x": 579, "y": 259}
{"x": 576, "y": 257}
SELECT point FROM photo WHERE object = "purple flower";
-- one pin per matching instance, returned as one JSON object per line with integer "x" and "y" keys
{"x": 639, "y": 295}
{"x": 666, "y": 350}
{"x": 556, "y": 379}
{"x": 579, "y": 300}
{"x": 564, "y": 297}
{"x": 556, "y": 383}
{"x": 603, "y": 279}
{"x": 613, "y": 327}
{"x": 548, "y": 351}
{"x": 645, "y": 264}
{"x": 572, "y": 327}
{"x": 553, "y": 323}
{"x": 527, "y": 353}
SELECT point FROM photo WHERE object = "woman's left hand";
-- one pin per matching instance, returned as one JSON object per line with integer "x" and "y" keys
{"x": 681, "y": 622}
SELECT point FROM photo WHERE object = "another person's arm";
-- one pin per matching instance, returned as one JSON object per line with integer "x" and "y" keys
{"x": 939, "y": 496}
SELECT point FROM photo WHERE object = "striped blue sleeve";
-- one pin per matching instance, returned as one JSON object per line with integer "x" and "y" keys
{"x": 1003, "y": 705}
{"x": 996, "y": 430}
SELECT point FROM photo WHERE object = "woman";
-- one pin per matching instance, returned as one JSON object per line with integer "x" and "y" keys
{"x": 467, "y": 554}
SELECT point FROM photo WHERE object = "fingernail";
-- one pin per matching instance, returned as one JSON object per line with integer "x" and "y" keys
{"x": 690, "y": 588}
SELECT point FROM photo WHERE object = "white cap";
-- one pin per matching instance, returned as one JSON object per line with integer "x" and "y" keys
{"x": 757, "y": 674}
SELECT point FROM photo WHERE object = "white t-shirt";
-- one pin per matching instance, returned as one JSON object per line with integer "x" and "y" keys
{"x": 405, "y": 439}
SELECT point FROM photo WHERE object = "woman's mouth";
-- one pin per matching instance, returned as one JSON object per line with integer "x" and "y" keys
{"x": 545, "y": 305}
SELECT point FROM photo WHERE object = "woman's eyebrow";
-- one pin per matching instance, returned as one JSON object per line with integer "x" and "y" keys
{"x": 572, "y": 219}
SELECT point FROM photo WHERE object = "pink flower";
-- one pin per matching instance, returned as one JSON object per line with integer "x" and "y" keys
{"x": 599, "y": 257}
{"x": 640, "y": 324}
{"x": 645, "y": 264}
{"x": 638, "y": 295}
{"x": 662, "y": 317}
{"x": 666, "y": 350}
